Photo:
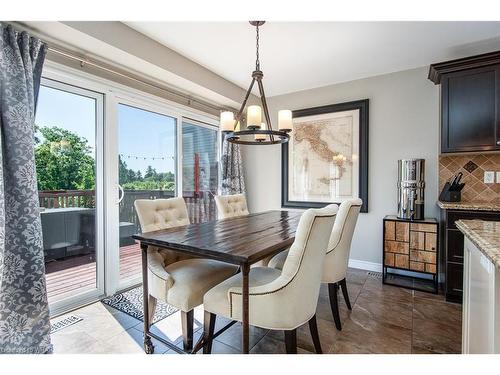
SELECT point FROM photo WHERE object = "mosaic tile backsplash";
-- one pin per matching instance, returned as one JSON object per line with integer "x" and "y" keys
{"x": 473, "y": 168}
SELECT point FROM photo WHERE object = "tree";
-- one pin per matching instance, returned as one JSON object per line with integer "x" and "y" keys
{"x": 151, "y": 173}
{"x": 123, "y": 171}
{"x": 63, "y": 160}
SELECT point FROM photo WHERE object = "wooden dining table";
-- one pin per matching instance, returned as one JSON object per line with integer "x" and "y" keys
{"x": 243, "y": 240}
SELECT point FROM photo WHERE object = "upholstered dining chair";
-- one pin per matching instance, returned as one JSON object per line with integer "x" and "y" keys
{"x": 279, "y": 299}
{"x": 231, "y": 205}
{"x": 337, "y": 256}
{"x": 180, "y": 281}
{"x": 235, "y": 205}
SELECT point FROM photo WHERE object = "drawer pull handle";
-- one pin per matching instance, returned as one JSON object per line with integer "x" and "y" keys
{"x": 457, "y": 290}
{"x": 459, "y": 256}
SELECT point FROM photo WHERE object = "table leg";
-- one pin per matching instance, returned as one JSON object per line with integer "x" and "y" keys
{"x": 245, "y": 269}
{"x": 148, "y": 344}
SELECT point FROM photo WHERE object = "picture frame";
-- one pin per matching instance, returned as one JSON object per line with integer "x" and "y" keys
{"x": 327, "y": 181}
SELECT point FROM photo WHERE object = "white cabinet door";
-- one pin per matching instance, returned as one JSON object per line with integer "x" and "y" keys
{"x": 480, "y": 302}
{"x": 466, "y": 300}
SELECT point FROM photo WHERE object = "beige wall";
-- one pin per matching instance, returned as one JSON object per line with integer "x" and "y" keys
{"x": 404, "y": 122}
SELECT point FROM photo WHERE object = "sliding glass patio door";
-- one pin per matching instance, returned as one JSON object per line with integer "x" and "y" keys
{"x": 147, "y": 169}
{"x": 159, "y": 154}
{"x": 99, "y": 148}
{"x": 200, "y": 169}
{"x": 69, "y": 165}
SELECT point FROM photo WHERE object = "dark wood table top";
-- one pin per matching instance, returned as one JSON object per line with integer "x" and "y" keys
{"x": 241, "y": 240}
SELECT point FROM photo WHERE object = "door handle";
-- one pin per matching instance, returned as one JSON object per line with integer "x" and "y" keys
{"x": 121, "y": 194}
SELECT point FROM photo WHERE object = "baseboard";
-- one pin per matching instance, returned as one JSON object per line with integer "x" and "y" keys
{"x": 364, "y": 265}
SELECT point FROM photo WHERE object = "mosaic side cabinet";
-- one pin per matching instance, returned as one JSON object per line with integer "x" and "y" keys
{"x": 410, "y": 253}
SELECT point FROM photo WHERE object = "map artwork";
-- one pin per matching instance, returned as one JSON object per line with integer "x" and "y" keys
{"x": 323, "y": 158}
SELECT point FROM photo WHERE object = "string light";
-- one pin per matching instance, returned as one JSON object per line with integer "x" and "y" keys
{"x": 137, "y": 157}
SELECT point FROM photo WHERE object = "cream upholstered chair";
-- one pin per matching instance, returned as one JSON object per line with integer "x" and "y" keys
{"x": 180, "y": 281}
{"x": 279, "y": 300}
{"x": 337, "y": 256}
{"x": 231, "y": 206}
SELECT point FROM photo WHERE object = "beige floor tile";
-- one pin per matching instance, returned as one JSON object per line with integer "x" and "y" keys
{"x": 361, "y": 333}
{"x": 384, "y": 319}
{"x": 232, "y": 336}
{"x": 386, "y": 310}
{"x": 437, "y": 326}
{"x": 74, "y": 342}
{"x": 269, "y": 345}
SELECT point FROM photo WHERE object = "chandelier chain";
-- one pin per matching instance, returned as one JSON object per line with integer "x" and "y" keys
{"x": 257, "y": 62}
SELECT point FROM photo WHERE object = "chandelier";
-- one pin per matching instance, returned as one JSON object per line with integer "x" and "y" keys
{"x": 259, "y": 131}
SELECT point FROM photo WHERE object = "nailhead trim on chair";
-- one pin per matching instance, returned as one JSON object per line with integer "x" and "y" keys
{"x": 342, "y": 231}
{"x": 281, "y": 288}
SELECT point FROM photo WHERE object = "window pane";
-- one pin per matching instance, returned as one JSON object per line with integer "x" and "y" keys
{"x": 65, "y": 162}
{"x": 147, "y": 166}
{"x": 199, "y": 171}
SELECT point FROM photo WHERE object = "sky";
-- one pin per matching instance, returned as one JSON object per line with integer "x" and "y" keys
{"x": 141, "y": 134}
{"x": 148, "y": 135}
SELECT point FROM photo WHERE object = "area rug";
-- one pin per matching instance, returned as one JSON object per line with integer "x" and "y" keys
{"x": 130, "y": 302}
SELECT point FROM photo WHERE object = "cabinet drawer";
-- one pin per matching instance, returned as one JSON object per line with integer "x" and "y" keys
{"x": 454, "y": 279}
{"x": 402, "y": 231}
{"x": 455, "y": 246}
{"x": 397, "y": 247}
{"x": 419, "y": 227}
{"x": 390, "y": 230}
{"x": 430, "y": 241}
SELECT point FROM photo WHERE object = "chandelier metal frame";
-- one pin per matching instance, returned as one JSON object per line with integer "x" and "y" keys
{"x": 272, "y": 136}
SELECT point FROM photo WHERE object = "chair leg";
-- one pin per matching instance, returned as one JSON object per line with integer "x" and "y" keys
{"x": 313, "y": 327}
{"x": 187, "y": 319}
{"x": 343, "y": 285}
{"x": 334, "y": 304}
{"x": 291, "y": 341}
{"x": 152, "y": 308}
{"x": 208, "y": 331}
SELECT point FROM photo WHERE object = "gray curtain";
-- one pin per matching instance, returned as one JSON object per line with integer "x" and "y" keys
{"x": 232, "y": 181}
{"x": 24, "y": 313}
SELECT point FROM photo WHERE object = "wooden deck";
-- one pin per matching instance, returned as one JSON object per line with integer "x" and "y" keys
{"x": 78, "y": 274}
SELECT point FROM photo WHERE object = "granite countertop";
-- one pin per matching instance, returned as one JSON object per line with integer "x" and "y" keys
{"x": 485, "y": 235}
{"x": 471, "y": 206}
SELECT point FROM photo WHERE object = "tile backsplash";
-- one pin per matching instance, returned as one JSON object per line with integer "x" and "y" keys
{"x": 473, "y": 168}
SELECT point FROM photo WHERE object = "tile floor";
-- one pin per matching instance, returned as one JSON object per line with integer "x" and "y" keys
{"x": 384, "y": 319}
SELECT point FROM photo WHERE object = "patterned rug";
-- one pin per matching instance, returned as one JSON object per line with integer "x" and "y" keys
{"x": 130, "y": 302}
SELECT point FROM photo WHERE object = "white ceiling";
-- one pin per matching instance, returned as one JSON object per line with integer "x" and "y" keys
{"x": 302, "y": 55}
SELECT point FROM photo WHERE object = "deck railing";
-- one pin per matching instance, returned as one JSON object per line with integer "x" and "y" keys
{"x": 66, "y": 198}
{"x": 200, "y": 205}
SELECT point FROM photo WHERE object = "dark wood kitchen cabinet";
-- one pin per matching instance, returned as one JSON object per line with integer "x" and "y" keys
{"x": 451, "y": 262}
{"x": 470, "y": 103}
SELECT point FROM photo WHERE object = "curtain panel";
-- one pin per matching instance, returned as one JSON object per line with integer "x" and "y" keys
{"x": 24, "y": 313}
{"x": 232, "y": 181}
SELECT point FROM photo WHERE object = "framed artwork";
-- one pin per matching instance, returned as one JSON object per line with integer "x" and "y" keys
{"x": 326, "y": 159}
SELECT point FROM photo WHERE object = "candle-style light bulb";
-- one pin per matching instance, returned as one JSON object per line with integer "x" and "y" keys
{"x": 285, "y": 120}
{"x": 227, "y": 121}
{"x": 254, "y": 116}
